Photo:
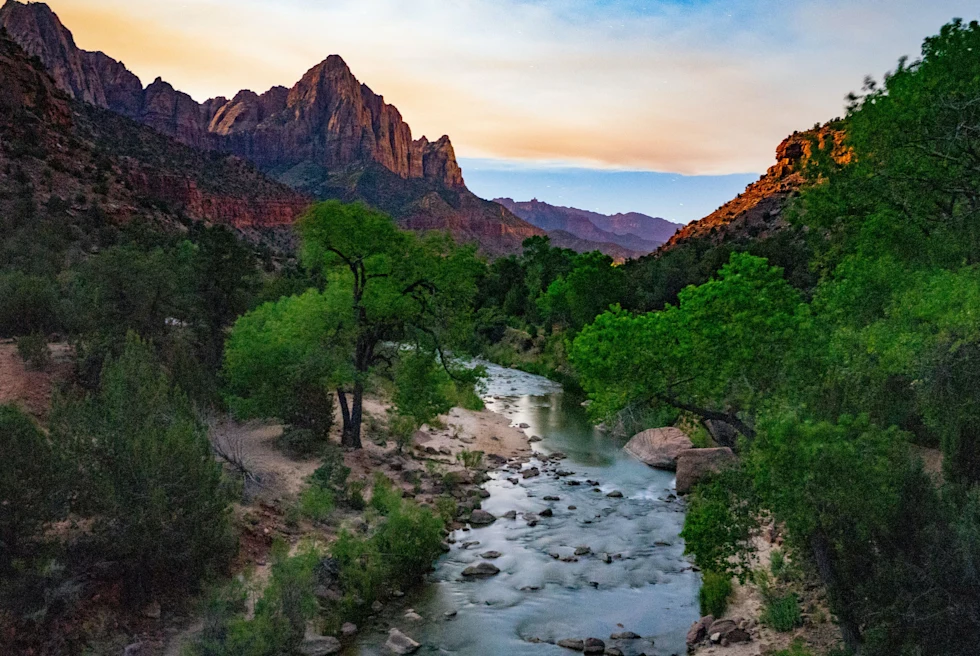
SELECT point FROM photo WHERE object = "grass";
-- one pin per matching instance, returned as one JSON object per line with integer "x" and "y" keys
{"x": 716, "y": 588}
{"x": 782, "y": 613}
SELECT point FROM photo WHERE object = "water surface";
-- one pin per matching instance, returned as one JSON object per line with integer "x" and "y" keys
{"x": 648, "y": 587}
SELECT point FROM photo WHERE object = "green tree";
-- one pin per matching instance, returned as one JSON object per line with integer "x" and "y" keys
{"x": 144, "y": 470}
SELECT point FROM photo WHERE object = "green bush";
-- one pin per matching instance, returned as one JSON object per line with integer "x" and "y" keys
{"x": 332, "y": 473}
{"x": 146, "y": 472}
{"x": 316, "y": 503}
{"x": 355, "y": 495}
{"x": 385, "y": 497}
{"x": 782, "y": 613}
{"x": 28, "y": 304}
{"x": 447, "y": 508}
{"x": 796, "y": 649}
{"x": 719, "y": 523}
{"x": 716, "y": 588}
{"x": 470, "y": 459}
{"x": 33, "y": 349}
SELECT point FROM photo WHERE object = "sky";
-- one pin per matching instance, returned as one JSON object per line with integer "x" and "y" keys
{"x": 559, "y": 99}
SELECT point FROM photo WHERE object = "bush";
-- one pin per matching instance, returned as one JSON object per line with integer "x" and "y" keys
{"x": 385, "y": 497}
{"x": 716, "y": 588}
{"x": 316, "y": 503}
{"x": 719, "y": 523}
{"x": 147, "y": 474}
{"x": 28, "y": 304}
{"x": 470, "y": 459}
{"x": 332, "y": 473}
{"x": 796, "y": 649}
{"x": 33, "y": 349}
{"x": 782, "y": 613}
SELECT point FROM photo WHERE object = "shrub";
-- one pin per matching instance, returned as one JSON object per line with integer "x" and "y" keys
{"x": 316, "y": 503}
{"x": 782, "y": 613}
{"x": 33, "y": 349}
{"x": 28, "y": 304}
{"x": 355, "y": 495}
{"x": 716, "y": 588}
{"x": 385, "y": 497}
{"x": 332, "y": 473}
{"x": 719, "y": 523}
{"x": 796, "y": 649}
{"x": 447, "y": 508}
{"x": 146, "y": 472}
{"x": 470, "y": 459}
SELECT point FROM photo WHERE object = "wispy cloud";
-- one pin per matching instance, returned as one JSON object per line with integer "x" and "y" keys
{"x": 692, "y": 86}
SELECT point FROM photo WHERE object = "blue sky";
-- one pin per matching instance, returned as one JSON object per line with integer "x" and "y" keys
{"x": 703, "y": 88}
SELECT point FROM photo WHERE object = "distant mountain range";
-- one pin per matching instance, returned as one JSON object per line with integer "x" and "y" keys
{"x": 637, "y": 233}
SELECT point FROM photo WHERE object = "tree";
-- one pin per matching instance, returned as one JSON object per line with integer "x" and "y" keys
{"x": 385, "y": 289}
{"x": 719, "y": 354}
{"x": 585, "y": 292}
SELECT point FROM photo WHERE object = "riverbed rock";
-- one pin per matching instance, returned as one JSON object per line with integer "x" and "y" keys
{"x": 319, "y": 645}
{"x": 625, "y": 635}
{"x": 575, "y": 644}
{"x": 412, "y": 616}
{"x": 510, "y": 514}
{"x": 547, "y": 512}
{"x": 615, "y": 494}
{"x": 491, "y": 555}
{"x": 552, "y": 497}
{"x": 399, "y": 643}
{"x": 531, "y": 473}
{"x": 659, "y": 447}
{"x": 722, "y": 628}
{"x": 481, "y": 570}
{"x": 594, "y": 646}
{"x": 481, "y": 518}
{"x": 694, "y": 464}
{"x": 699, "y": 630}
{"x": 613, "y": 651}
{"x": 582, "y": 551}
{"x": 348, "y": 629}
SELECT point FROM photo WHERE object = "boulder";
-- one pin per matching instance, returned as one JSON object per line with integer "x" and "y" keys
{"x": 574, "y": 644}
{"x": 490, "y": 555}
{"x": 399, "y": 643}
{"x": 531, "y": 473}
{"x": 481, "y": 518}
{"x": 615, "y": 494}
{"x": 722, "y": 629}
{"x": 699, "y": 630}
{"x": 481, "y": 569}
{"x": 625, "y": 635}
{"x": 659, "y": 447}
{"x": 318, "y": 645}
{"x": 613, "y": 651}
{"x": 594, "y": 646}
{"x": 695, "y": 464}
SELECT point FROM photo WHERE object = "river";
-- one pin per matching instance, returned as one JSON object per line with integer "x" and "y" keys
{"x": 647, "y": 587}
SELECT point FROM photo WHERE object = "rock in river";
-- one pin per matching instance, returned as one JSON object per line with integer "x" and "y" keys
{"x": 481, "y": 518}
{"x": 481, "y": 569}
{"x": 572, "y": 643}
{"x": 490, "y": 555}
{"x": 594, "y": 646}
{"x": 318, "y": 645}
{"x": 659, "y": 447}
{"x": 400, "y": 643}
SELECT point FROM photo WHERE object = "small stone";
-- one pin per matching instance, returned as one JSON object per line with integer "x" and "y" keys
{"x": 716, "y": 638}
{"x": 450, "y": 614}
{"x": 569, "y": 559}
{"x": 472, "y": 543}
{"x": 615, "y": 494}
{"x": 573, "y": 507}
{"x": 607, "y": 559}
{"x": 523, "y": 425}
{"x": 552, "y": 498}
{"x": 400, "y": 643}
{"x": 572, "y": 643}
{"x": 510, "y": 514}
{"x": 481, "y": 569}
{"x": 412, "y": 616}
{"x": 613, "y": 651}
{"x": 594, "y": 646}
{"x": 377, "y": 606}
{"x": 582, "y": 551}
{"x": 348, "y": 629}
{"x": 513, "y": 481}
{"x": 624, "y": 635}
{"x": 398, "y": 594}
{"x": 531, "y": 473}
{"x": 491, "y": 555}
{"x": 547, "y": 512}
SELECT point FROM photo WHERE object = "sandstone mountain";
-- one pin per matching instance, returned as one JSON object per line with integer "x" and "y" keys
{"x": 758, "y": 212}
{"x": 329, "y": 136}
{"x": 635, "y": 232}
{"x": 90, "y": 168}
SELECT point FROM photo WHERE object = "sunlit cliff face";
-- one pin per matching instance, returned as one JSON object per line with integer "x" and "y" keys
{"x": 691, "y": 86}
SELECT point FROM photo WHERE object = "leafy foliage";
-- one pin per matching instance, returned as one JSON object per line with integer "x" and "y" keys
{"x": 716, "y": 589}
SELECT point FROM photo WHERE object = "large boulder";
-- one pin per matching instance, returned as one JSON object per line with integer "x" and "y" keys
{"x": 699, "y": 631}
{"x": 481, "y": 570}
{"x": 694, "y": 464}
{"x": 658, "y": 447}
{"x": 399, "y": 643}
{"x": 318, "y": 645}
{"x": 481, "y": 518}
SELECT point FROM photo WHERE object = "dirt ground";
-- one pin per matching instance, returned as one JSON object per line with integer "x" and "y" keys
{"x": 29, "y": 389}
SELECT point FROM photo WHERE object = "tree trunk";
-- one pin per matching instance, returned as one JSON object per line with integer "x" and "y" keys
{"x": 346, "y": 435}
{"x": 355, "y": 416}
{"x": 849, "y": 628}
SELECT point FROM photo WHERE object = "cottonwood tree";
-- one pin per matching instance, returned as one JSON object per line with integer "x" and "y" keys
{"x": 385, "y": 289}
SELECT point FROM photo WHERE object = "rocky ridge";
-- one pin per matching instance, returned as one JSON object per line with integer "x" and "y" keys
{"x": 758, "y": 212}
{"x": 329, "y": 136}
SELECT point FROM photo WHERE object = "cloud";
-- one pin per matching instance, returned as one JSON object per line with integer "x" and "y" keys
{"x": 701, "y": 86}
